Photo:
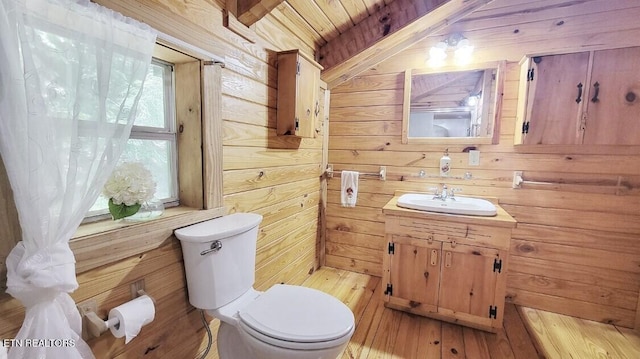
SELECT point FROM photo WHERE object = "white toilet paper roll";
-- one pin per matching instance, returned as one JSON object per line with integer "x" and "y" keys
{"x": 132, "y": 316}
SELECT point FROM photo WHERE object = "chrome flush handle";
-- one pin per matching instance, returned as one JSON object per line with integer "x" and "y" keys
{"x": 215, "y": 246}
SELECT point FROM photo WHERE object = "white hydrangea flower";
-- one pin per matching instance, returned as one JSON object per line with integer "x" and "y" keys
{"x": 130, "y": 183}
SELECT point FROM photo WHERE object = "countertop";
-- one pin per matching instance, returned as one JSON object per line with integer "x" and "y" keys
{"x": 501, "y": 219}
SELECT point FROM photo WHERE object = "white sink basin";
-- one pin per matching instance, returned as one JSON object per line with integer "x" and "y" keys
{"x": 461, "y": 205}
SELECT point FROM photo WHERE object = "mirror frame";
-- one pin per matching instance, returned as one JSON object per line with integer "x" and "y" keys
{"x": 495, "y": 128}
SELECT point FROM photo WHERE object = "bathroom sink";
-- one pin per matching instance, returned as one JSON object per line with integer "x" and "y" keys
{"x": 460, "y": 205}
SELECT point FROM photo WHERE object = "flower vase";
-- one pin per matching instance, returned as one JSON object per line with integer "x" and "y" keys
{"x": 148, "y": 210}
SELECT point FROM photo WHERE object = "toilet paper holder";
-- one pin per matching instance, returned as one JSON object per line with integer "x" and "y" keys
{"x": 96, "y": 326}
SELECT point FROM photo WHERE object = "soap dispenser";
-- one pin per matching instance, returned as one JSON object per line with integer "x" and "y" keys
{"x": 445, "y": 164}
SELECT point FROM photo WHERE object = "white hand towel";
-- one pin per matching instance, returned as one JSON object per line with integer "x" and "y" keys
{"x": 349, "y": 189}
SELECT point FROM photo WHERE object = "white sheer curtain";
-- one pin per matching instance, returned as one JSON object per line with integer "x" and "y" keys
{"x": 70, "y": 79}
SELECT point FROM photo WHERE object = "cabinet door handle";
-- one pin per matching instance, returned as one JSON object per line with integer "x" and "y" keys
{"x": 596, "y": 88}
{"x": 434, "y": 257}
{"x": 317, "y": 111}
{"x": 447, "y": 259}
{"x": 579, "y": 99}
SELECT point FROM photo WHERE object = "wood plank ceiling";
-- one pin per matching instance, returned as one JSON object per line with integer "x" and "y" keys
{"x": 352, "y": 36}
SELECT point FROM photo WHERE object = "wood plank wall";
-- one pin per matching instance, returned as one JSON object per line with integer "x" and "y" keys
{"x": 264, "y": 174}
{"x": 576, "y": 249}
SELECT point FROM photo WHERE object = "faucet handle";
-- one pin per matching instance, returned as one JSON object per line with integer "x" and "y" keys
{"x": 452, "y": 191}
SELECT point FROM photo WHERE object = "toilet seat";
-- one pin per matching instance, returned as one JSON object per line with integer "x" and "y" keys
{"x": 297, "y": 318}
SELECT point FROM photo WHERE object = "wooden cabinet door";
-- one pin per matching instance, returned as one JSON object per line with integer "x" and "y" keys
{"x": 415, "y": 273}
{"x": 554, "y": 106}
{"x": 613, "y": 116}
{"x": 307, "y": 105}
{"x": 468, "y": 282}
{"x": 298, "y": 106}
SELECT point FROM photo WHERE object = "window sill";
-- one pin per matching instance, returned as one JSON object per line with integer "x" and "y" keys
{"x": 103, "y": 242}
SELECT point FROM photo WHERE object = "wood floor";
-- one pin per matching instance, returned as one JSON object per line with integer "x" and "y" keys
{"x": 561, "y": 336}
{"x": 386, "y": 333}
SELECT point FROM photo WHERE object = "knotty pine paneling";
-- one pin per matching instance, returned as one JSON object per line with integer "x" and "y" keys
{"x": 273, "y": 239}
{"x": 288, "y": 208}
{"x": 238, "y": 85}
{"x": 364, "y": 113}
{"x": 262, "y": 173}
{"x": 318, "y": 20}
{"x": 570, "y": 272}
{"x": 236, "y": 158}
{"x": 253, "y": 178}
{"x": 271, "y": 29}
{"x": 240, "y": 134}
{"x": 393, "y": 81}
{"x": 242, "y": 111}
{"x": 292, "y": 20}
{"x": 364, "y": 98}
{"x": 577, "y": 244}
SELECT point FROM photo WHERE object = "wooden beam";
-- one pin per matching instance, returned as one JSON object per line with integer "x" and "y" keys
{"x": 231, "y": 23}
{"x": 392, "y": 29}
{"x": 249, "y": 12}
{"x": 388, "y": 20}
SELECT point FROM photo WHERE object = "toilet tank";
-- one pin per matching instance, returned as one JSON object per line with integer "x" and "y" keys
{"x": 217, "y": 277}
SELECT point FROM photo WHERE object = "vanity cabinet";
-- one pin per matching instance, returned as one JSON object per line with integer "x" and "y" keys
{"x": 448, "y": 267}
{"x": 581, "y": 98}
{"x": 298, "y": 105}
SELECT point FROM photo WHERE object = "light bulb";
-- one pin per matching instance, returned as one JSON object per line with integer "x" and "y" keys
{"x": 472, "y": 101}
{"x": 438, "y": 51}
{"x": 437, "y": 54}
{"x": 463, "y": 52}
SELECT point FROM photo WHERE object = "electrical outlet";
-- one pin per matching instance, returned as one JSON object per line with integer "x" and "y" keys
{"x": 517, "y": 179}
{"x": 474, "y": 158}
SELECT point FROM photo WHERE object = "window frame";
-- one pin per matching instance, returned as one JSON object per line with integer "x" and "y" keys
{"x": 199, "y": 123}
{"x": 169, "y": 132}
{"x": 151, "y": 133}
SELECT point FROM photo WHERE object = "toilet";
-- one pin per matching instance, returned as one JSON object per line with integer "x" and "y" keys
{"x": 284, "y": 322}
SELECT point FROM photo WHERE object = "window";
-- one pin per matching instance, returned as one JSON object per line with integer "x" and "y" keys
{"x": 199, "y": 164}
{"x": 153, "y": 135}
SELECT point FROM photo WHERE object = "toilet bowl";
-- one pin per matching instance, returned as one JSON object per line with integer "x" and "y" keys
{"x": 284, "y": 322}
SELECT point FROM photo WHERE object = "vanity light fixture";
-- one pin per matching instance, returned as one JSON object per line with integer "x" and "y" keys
{"x": 455, "y": 42}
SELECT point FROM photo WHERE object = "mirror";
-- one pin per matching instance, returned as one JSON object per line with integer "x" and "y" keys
{"x": 458, "y": 106}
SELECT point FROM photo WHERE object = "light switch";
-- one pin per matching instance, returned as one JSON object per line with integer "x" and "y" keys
{"x": 474, "y": 158}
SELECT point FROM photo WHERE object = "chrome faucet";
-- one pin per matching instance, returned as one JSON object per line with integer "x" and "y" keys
{"x": 442, "y": 194}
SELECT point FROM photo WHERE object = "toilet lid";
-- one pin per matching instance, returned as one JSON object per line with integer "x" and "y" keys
{"x": 298, "y": 314}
